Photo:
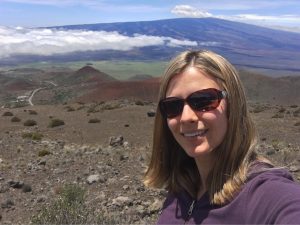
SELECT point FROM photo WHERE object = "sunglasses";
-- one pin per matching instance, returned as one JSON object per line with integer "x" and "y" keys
{"x": 201, "y": 101}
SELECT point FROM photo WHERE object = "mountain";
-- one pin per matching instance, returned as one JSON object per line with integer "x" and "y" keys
{"x": 88, "y": 74}
{"x": 244, "y": 44}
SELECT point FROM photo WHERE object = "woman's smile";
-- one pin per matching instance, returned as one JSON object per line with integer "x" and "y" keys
{"x": 196, "y": 133}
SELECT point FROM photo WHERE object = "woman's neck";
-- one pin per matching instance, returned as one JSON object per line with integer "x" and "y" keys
{"x": 204, "y": 165}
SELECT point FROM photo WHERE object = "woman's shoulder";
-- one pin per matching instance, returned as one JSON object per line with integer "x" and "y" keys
{"x": 263, "y": 175}
{"x": 273, "y": 194}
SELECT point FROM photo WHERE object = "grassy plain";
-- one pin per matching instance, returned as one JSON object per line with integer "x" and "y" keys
{"x": 120, "y": 70}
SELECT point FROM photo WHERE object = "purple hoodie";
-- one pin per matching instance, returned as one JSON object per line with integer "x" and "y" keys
{"x": 270, "y": 197}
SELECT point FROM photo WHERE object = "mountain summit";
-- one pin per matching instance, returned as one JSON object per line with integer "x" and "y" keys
{"x": 89, "y": 74}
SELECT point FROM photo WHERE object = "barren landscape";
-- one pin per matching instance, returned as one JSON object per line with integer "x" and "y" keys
{"x": 96, "y": 133}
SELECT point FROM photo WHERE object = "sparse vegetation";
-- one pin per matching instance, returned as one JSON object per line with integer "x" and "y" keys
{"x": 62, "y": 96}
{"x": 70, "y": 208}
{"x": 30, "y": 123}
{"x": 94, "y": 120}
{"x": 69, "y": 108}
{"x": 32, "y": 112}
{"x": 15, "y": 119}
{"x": 278, "y": 115}
{"x": 258, "y": 108}
{"x": 281, "y": 110}
{"x": 33, "y": 135}
{"x": 294, "y": 106}
{"x": 94, "y": 107}
{"x": 297, "y": 123}
{"x": 43, "y": 153}
{"x": 80, "y": 107}
{"x": 56, "y": 123}
{"x": 296, "y": 113}
{"x": 7, "y": 114}
{"x": 111, "y": 106}
{"x": 139, "y": 102}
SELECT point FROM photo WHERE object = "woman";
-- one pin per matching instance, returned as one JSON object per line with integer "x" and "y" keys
{"x": 203, "y": 150}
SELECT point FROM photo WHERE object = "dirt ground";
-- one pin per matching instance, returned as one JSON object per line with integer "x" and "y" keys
{"x": 79, "y": 149}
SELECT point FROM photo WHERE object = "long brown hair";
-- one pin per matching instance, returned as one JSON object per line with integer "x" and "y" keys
{"x": 171, "y": 168}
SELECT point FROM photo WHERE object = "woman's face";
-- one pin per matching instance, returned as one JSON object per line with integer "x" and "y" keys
{"x": 198, "y": 133}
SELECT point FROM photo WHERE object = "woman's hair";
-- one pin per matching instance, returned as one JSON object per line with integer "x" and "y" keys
{"x": 171, "y": 168}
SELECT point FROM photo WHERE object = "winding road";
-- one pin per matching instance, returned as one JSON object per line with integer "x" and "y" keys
{"x": 32, "y": 94}
{"x": 38, "y": 89}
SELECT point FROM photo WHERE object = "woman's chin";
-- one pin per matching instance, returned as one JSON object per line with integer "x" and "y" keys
{"x": 199, "y": 151}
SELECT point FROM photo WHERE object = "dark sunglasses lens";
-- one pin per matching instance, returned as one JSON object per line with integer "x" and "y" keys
{"x": 204, "y": 100}
{"x": 171, "y": 107}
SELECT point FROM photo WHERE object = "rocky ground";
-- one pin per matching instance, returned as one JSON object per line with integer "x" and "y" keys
{"x": 104, "y": 148}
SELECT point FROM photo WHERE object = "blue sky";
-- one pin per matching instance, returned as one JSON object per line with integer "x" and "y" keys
{"x": 35, "y": 13}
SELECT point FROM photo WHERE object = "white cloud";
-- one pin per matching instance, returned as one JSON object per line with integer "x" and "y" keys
{"x": 189, "y": 11}
{"x": 283, "y": 22}
{"x": 255, "y": 17}
{"x": 171, "y": 42}
{"x": 15, "y": 41}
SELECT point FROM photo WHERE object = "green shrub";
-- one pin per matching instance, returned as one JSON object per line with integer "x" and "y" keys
{"x": 30, "y": 123}
{"x": 281, "y": 110}
{"x": 111, "y": 106}
{"x": 139, "y": 102}
{"x": 92, "y": 110}
{"x": 278, "y": 115}
{"x": 15, "y": 119}
{"x": 69, "y": 208}
{"x": 43, "y": 153}
{"x": 7, "y": 114}
{"x": 296, "y": 113}
{"x": 80, "y": 107}
{"x": 56, "y": 123}
{"x": 258, "y": 109}
{"x": 95, "y": 120}
{"x": 32, "y": 112}
{"x": 33, "y": 135}
{"x": 69, "y": 108}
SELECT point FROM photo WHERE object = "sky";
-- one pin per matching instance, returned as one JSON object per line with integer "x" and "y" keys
{"x": 36, "y": 13}
{"x": 20, "y": 21}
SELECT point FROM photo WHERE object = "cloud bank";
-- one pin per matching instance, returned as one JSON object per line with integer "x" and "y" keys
{"x": 189, "y": 11}
{"x": 18, "y": 41}
{"x": 262, "y": 20}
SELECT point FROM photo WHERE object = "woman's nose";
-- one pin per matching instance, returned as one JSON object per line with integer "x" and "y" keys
{"x": 188, "y": 114}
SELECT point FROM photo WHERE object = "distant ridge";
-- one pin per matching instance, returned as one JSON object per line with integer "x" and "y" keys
{"x": 243, "y": 44}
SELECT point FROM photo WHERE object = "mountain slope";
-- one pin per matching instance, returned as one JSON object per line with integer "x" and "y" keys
{"x": 244, "y": 44}
{"x": 247, "y": 46}
{"x": 88, "y": 74}
{"x": 203, "y": 30}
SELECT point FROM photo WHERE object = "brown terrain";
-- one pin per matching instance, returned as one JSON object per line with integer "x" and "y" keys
{"x": 105, "y": 142}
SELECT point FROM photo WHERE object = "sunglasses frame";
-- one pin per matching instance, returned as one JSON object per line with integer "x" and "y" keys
{"x": 180, "y": 102}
